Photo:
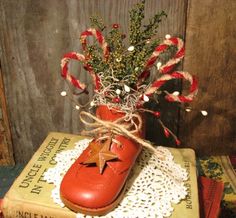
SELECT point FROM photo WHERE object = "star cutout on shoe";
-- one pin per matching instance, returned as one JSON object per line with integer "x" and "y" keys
{"x": 100, "y": 154}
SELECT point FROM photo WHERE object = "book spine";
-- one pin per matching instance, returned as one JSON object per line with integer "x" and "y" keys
{"x": 13, "y": 208}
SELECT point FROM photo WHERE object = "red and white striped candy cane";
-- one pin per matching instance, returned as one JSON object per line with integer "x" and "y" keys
{"x": 79, "y": 57}
{"x": 161, "y": 48}
{"x": 175, "y": 75}
{"x": 67, "y": 75}
{"x": 99, "y": 37}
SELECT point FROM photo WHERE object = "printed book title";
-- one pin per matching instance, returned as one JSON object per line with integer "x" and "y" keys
{"x": 34, "y": 178}
{"x": 188, "y": 199}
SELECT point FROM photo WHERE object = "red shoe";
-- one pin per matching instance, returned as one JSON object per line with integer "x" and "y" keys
{"x": 84, "y": 189}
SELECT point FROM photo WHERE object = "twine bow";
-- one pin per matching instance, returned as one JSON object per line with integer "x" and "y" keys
{"x": 121, "y": 126}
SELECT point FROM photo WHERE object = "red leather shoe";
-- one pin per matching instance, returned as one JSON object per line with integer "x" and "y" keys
{"x": 84, "y": 189}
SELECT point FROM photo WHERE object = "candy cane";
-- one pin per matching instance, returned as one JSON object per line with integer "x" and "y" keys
{"x": 161, "y": 48}
{"x": 77, "y": 56}
{"x": 175, "y": 75}
{"x": 99, "y": 37}
{"x": 67, "y": 75}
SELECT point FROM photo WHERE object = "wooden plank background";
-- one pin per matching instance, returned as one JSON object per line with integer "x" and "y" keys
{"x": 6, "y": 149}
{"x": 211, "y": 54}
{"x": 34, "y": 35}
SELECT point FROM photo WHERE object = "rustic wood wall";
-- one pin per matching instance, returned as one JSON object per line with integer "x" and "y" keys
{"x": 6, "y": 149}
{"x": 211, "y": 54}
{"x": 34, "y": 35}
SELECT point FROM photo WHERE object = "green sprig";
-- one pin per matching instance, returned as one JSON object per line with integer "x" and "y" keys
{"x": 97, "y": 23}
{"x": 122, "y": 62}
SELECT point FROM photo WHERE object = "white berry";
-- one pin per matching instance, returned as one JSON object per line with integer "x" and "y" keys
{"x": 127, "y": 88}
{"x": 118, "y": 91}
{"x": 63, "y": 93}
{"x": 159, "y": 65}
{"x": 176, "y": 93}
{"x": 145, "y": 98}
{"x": 204, "y": 113}
{"x": 131, "y": 48}
{"x": 168, "y": 36}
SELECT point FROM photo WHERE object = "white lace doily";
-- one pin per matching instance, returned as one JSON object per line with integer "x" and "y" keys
{"x": 153, "y": 186}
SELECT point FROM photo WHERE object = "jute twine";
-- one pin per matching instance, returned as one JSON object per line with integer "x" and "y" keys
{"x": 120, "y": 126}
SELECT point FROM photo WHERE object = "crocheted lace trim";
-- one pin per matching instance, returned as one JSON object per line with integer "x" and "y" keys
{"x": 152, "y": 188}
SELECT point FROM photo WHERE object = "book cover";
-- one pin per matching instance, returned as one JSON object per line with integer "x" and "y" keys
{"x": 220, "y": 168}
{"x": 210, "y": 195}
{"x": 190, "y": 206}
{"x": 30, "y": 194}
{"x": 233, "y": 161}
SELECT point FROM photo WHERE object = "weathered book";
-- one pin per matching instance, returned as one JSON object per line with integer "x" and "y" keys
{"x": 210, "y": 195}
{"x": 29, "y": 195}
{"x": 222, "y": 168}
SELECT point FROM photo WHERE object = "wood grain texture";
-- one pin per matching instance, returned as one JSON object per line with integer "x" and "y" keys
{"x": 211, "y": 55}
{"x": 6, "y": 151}
{"x": 31, "y": 50}
{"x": 34, "y": 36}
{"x": 175, "y": 26}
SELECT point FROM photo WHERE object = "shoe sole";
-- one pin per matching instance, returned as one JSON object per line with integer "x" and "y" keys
{"x": 95, "y": 211}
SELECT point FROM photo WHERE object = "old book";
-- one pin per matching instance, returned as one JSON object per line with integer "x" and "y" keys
{"x": 190, "y": 206}
{"x": 29, "y": 196}
{"x": 210, "y": 195}
{"x": 221, "y": 168}
{"x": 232, "y": 159}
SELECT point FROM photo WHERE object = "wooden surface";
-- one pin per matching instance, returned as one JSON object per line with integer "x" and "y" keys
{"x": 34, "y": 35}
{"x": 211, "y": 54}
{"x": 6, "y": 151}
